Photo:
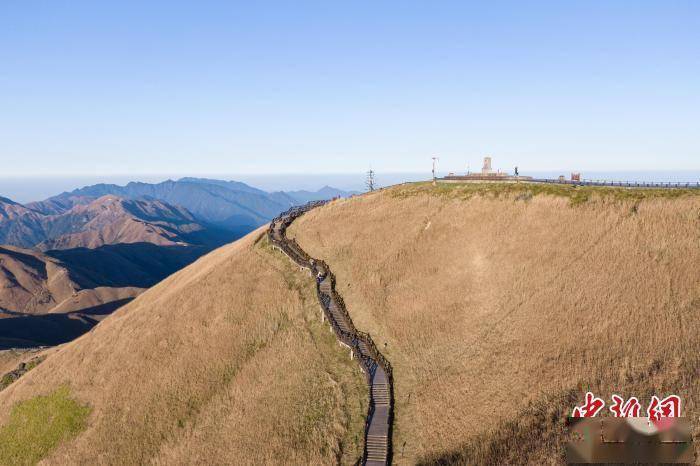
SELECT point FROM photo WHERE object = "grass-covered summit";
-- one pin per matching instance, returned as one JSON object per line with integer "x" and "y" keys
{"x": 501, "y": 304}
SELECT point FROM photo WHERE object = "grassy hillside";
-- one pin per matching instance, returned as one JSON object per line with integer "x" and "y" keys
{"x": 225, "y": 362}
{"x": 500, "y": 305}
{"x": 11, "y": 359}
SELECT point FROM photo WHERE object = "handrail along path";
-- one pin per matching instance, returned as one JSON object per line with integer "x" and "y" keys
{"x": 378, "y": 424}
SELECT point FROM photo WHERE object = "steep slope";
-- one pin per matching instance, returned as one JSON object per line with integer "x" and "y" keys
{"x": 33, "y": 283}
{"x": 112, "y": 220}
{"x": 98, "y": 256}
{"x": 10, "y": 360}
{"x": 377, "y": 441}
{"x": 44, "y": 302}
{"x": 135, "y": 264}
{"x": 61, "y": 203}
{"x": 226, "y": 361}
{"x": 10, "y": 209}
{"x": 49, "y": 298}
{"x": 499, "y": 306}
{"x": 19, "y": 225}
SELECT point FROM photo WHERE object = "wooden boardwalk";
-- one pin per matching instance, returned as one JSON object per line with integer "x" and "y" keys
{"x": 378, "y": 424}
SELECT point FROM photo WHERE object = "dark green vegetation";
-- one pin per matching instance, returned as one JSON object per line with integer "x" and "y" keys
{"x": 38, "y": 425}
{"x": 525, "y": 190}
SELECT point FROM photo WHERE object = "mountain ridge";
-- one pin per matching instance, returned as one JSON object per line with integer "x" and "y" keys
{"x": 94, "y": 222}
{"x": 228, "y": 204}
{"x": 108, "y": 238}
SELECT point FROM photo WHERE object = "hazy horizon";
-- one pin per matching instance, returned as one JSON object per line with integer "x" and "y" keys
{"x": 37, "y": 188}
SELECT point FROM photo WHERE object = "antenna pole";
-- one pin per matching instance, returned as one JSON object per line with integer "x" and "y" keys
{"x": 370, "y": 180}
{"x": 434, "y": 179}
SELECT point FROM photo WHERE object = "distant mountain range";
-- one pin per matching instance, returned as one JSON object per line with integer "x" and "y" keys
{"x": 83, "y": 253}
{"x": 96, "y": 222}
{"x": 187, "y": 211}
{"x": 232, "y": 205}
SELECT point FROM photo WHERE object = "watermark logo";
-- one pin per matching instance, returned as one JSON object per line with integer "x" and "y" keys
{"x": 669, "y": 407}
{"x": 626, "y": 436}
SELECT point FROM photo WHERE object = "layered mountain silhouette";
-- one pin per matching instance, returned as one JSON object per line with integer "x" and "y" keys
{"x": 105, "y": 220}
{"x": 20, "y": 225}
{"x": 72, "y": 258}
{"x": 232, "y": 205}
{"x": 188, "y": 211}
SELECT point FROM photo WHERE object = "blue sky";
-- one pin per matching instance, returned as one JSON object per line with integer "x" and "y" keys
{"x": 98, "y": 88}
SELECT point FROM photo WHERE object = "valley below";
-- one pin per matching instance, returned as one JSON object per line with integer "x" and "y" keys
{"x": 70, "y": 260}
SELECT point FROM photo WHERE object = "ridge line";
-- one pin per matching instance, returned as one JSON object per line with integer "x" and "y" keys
{"x": 377, "y": 449}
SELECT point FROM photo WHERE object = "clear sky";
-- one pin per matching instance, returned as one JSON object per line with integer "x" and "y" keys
{"x": 147, "y": 87}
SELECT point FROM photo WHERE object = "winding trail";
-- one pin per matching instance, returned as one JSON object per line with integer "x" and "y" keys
{"x": 377, "y": 370}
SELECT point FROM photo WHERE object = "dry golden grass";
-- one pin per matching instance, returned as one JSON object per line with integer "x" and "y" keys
{"x": 11, "y": 359}
{"x": 225, "y": 362}
{"x": 495, "y": 304}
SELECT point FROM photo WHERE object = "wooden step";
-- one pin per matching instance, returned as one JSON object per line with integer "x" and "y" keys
{"x": 340, "y": 319}
{"x": 381, "y": 448}
{"x": 377, "y": 448}
{"x": 380, "y": 388}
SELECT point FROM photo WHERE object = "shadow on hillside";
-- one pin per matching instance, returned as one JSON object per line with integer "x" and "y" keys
{"x": 138, "y": 264}
{"x": 101, "y": 310}
{"x": 28, "y": 331}
{"x": 27, "y": 259}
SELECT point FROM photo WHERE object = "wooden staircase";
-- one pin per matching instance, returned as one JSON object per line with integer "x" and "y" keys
{"x": 377, "y": 450}
{"x": 377, "y": 441}
{"x": 380, "y": 394}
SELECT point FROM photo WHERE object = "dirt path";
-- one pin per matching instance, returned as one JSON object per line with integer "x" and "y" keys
{"x": 377, "y": 449}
